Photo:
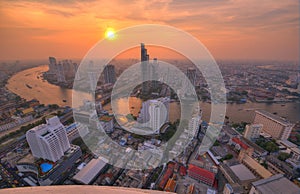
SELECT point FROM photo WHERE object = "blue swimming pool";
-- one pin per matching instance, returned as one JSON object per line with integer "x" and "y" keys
{"x": 46, "y": 167}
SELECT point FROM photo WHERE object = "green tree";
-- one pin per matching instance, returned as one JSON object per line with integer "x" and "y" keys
{"x": 283, "y": 156}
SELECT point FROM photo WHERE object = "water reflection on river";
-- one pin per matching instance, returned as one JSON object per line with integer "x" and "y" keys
{"x": 50, "y": 94}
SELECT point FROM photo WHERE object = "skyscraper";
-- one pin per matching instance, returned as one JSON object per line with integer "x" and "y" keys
{"x": 64, "y": 71}
{"x": 144, "y": 55}
{"x": 52, "y": 65}
{"x": 194, "y": 124}
{"x": 48, "y": 141}
{"x": 155, "y": 113}
{"x": 191, "y": 74}
{"x": 93, "y": 79}
{"x": 109, "y": 74}
{"x": 60, "y": 73}
{"x": 69, "y": 70}
{"x": 154, "y": 82}
{"x": 145, "y": 69}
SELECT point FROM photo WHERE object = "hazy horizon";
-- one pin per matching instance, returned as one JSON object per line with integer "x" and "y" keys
{"x": 230, "y": 29}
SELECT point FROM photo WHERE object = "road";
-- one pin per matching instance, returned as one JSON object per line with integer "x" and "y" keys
{"x": 2, "y": 133}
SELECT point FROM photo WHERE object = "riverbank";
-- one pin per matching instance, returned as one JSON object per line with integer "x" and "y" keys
{"x": 48, "y": 93}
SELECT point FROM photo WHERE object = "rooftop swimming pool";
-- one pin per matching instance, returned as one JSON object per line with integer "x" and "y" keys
{"x": 46, "y": 167}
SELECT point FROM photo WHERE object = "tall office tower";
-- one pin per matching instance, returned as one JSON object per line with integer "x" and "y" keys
{"x": 48, "y": 141}
{"x": 252, "y": 132}
{"x": 144, "y": 112}
{"x": 75, "y": 67}
{"x": 159, "y": 113}
{"x": 194, "y": 123}
{"x": 109, "y": 74}
{"x": 154, "y": 74}
{"x": 60, "y": 73}
{"x": 93, "y": 80}
{"x": 145, "y": 69}
{"x": 76, "y": 72}
{"x": 273, "y": 125}
{"x": 191, "y": 74}
{"x": 155, "y": 113}
{"x": 68, "y": 69}
{"x": 52, "y": 65}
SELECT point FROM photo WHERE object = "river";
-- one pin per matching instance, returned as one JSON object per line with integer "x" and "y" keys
{"x": 48, "y": 93}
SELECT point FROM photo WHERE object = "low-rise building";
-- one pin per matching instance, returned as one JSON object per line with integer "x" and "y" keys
{"x": 90, "y": 172}
{"x": 276, "y": 184}
{"x": 201, "y": 175}
{"x": 171, "y": 185}
{"x": 48, "y": 172}
{"x": 107, "y": 123}
{"x": 276, "y": 166}
{"x": 168, "y": 173}
{"x": 256, "y": 168}
{"x": 252, "y": 132}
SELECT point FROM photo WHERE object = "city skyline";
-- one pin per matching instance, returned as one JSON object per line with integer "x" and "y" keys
{"x": 229, "y": 29}
{"x": 200, "y": 160}
{"x": 156, "y": 95}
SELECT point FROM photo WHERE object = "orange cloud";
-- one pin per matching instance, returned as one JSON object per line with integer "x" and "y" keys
{"x": 249, "y": 29}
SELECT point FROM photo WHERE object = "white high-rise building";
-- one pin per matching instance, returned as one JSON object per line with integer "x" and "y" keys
{"x": 93, "y": 80}
{"x": 194, "y": 124}
{"x": 253, "y": 131}
{"x": 144, "y": 112}
{"x": 48, "y": 141}
{"x": 155, "y": 113}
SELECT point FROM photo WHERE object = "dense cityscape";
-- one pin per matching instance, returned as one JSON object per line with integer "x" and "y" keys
{"x": 41, "y": 143}
{"x": 153, "y": 96}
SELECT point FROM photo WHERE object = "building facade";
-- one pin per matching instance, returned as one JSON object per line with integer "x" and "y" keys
{"x": 273, "y": 125}
{"x": 48, "y": 141}
{"x": 191, "y": 74}
{"x": 253, "y": 131}
{"x": 109, "y": 74}
{"x": 201, "y": 175}
{"x": 154, "y": 113}
{"x": 275, "y": 184}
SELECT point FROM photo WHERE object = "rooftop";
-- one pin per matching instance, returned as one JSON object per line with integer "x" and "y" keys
{"x": 27, "y": 159}
{"x": 105, "y": 118}
{"x": 77, "y": 189}
{"x": 242, "y": 144}
{"x": 171, "y": 185}
{"x": 45, "y": 134}
{"x": 88, "y": 173}
{"x": 242, "y": 172}
{"x": 287, "y": 143}
{"x": 273, "y": 117}
{"x": 28, "y": 110}
{"x": 259, "y": 169}
{"x": 296, "y": 150}
{"x": 201, "y": 172}
{"x": 276, "y": 184}
{"x": 71, "y": 127}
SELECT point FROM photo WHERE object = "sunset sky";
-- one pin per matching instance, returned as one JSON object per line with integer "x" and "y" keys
{"x": 230, "y": 29}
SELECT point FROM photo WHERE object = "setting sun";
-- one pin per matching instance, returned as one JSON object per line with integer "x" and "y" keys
{"x": 110, "y": 33}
